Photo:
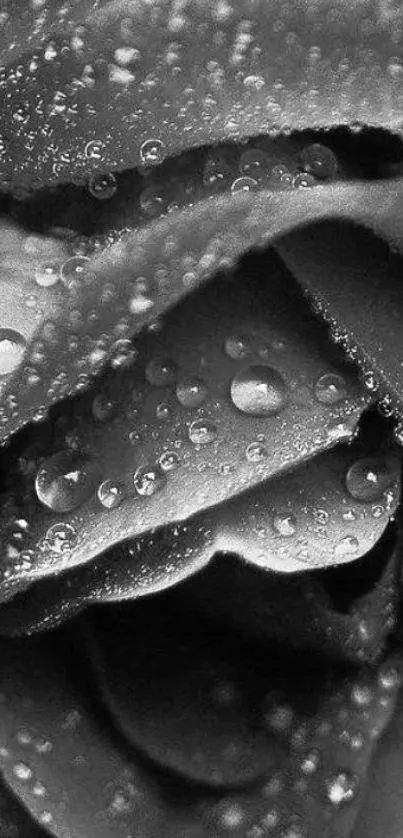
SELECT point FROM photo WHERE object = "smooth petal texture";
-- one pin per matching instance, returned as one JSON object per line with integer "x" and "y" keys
{"x": 84, "y": 87}
{"x": 115, "y": 294}
{"x": 298, "y": 522}
{"x": 80, "y": 779}
{"x": 229, "y": 392}
{"x": 356, "y": 283}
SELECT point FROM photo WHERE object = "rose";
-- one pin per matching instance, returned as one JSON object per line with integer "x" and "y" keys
{"x": 128, "y": 807}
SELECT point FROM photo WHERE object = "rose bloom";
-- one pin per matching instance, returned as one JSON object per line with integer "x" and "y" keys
{"x": 201, "y": 419}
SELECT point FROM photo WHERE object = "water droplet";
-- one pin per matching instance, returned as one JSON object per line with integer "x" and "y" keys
{"x": 310, "y": 763}
{"x": 123, "y": 354}
{"x": 259, "y": 390}
{"x": 254, "y": 163}
{"x": 148, "y": 480}
{"x": 12, "y": 348}
{"x": 256, "y": 452}
{"x": 347, "y": 546}
{"x": 367, "y": 479}
{"x": 191, "y": 392}
{"x": 330, "y": 388}
{"x": 160, "y": 373}
{"x": 280, "y": 718}
{"x": 111, "y": 494}
{"x": 103, "y": 186}
{"x": 341, "y": 788}
{"x": 320, "y": 160}
{"x": 22, "y": 771}
{"x": 389, "y": 678}
{"x": 152, "y": 152}
{"x": 152, "y": 201}
{"x": 237, "y": 348}
{"x": 361, "y": 695}
{"x": 202, "y": 432}
{"x": 66, "y": 480}
{"x": 73, "y": 271}
{"x": 60, "y": 538}
{"x": 103, "y": 408}
{"x": 243, "y": 184}
{"x": 47, "y": 275}
{"x": 217, "y": 173}
{"x": 163, "y": 411}
{"x": 94, "y": 150}
{"x": 303, "y": 180}
{"x": 169, "y": 460}
{"x": 285, "y": 525}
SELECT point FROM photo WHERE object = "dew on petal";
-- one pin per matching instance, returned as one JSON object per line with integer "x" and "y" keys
{"x": 341, "y": 788}
{"x": 152, "y": 152}
{"x": 202, "y": 432}
{"x": 123, "y": 354}
{"x": 330, "y": 388}
{"x": 60, "y": 538}
{"x": 12, "y": 348}
{"x": 22, "y": 771}
{"x": 102, "y": 407}
{"x": 254, "y": 163}
{"x": 347, "y": 546}
{"x": 160, "y": 372}
{"x": 148, "y": 480}
{"x": 47, "y": 275}
{"x": 259, "y": 391}
{"x": 191, "y": 392}
{"x": 319, "y": 160}
{"x": 163, "y": 411}
{"x": 243, "y": 184}
{"x": 73, "y": 270}
{"x": 303, "y": 180}
{"x": 285, "y": 525}
{"x": 94, "y": 150}
{"x": 310, "y": 763}
{"x": 111, "y": 494}
{"x": 66, "y": 480}
{"x": 102, "y": 186}
{"x": 256, "y": 451}
{"x": 368, "y": 478}
{"x": 237, "y": 348}
{"x": 169, "y": 461}
{"x": 389, "y": 677}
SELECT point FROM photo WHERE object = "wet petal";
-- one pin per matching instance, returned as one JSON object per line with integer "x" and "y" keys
{"x": 300, "y": 521}
{"x": 238, "y": 385}
{"x": 91, "y": 89}
{"x": 355, "y": 282}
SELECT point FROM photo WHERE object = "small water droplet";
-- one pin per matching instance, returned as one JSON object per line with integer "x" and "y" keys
{"x": 94, "y": 150}
{"x": 111, "y": 494}
{"x": 310, "y": 763}
{"x": 259, "y": 391}
{"x": 22, "y": 771}
{"x": 389, "y": 678}
{"x": 285, "y": 524}
{"x": 103, "y": 186}
{"x": 243, "y": 184}
{"x": 303, "y": 180}
{"x": 237, "y": 348}
{"x": 60, "y": 538}
{"x": 152, "y": 152}
{"x": 347, "y": 546}
{"x": 361, "y": 695}
{"x": 12, "y": 348}
{"x": 254, "y": 163}
{"x": 191, "y": 392}
{"x": 368, "y": 478}
{"x": 341, "y": 788}
{"x": 217, "y": 172}
{"x": 202, "y": 432}
{"x": 163, "y": 411}
{"x": 330, "y": 388}
{"x": 73, "y": 270}
{"x": 123, "y": 354}
{"x": 47, "y": 275}
{"x": 160, "y": 372}
{"x": 148, "y": 480}
{"x": 66, "y": 480}
{"x": 169, "y": 460}
{"x": 256, "y": 452}
{"x": 320, "y": 160}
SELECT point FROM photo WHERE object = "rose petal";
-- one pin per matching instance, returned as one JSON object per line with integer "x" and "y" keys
{"x": 356, "y": 282}
{"x": 72, "y": 771}
{"x": 133, "y": 282}
{"x": 311, "y": 510}
{"x": 84, "y": 88}
{"x": 230, "y": 392}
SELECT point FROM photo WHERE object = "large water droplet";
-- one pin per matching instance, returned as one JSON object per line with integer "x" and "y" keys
{"x": 160, "y": 373}
{"x": 202, "y": 432}
{"x": 67, "y": 480}
{"x": 103, "y": 186}
{"x": 148, "y": 480}
{"x": 191, "y": 392}
{"x": 330, "y": 388}
{"x": 367, "y": 479}
{"x": 47, "y": 275}
{"x": 342, "y": 788}
{"x": 73, "y": 271}
{"x": 152, "y": 152}
{"x": 12, "y": 348}
{"x": 259, "y": 390}
{"x": 319, "y": 160}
